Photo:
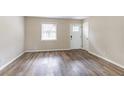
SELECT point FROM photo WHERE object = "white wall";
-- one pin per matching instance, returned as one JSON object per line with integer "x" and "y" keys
{"x": 106, "y": 38}
{"x": 33, "y": 34}
{"x": 11, "y": 38}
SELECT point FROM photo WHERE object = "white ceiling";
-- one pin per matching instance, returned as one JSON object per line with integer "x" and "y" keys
{"x": 66, "y": 17}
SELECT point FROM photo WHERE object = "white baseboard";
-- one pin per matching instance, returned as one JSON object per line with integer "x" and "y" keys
{"x": 83, "y": 49}
{"x": 108, "y": 60}
{"x": 47, "y": 50}
{"x": 2, "y": 67}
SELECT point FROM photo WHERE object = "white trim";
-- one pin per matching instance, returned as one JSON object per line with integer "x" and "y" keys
{"x": 46, "y": 50}
{"x": 2, "y": 67}
{"x": 83, "y": 49}
{"x": 75, "y": 48}
{"x": 108, "y": 60}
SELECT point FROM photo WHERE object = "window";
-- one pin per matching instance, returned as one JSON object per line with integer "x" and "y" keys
{"x": 76, "y": 27}
{"x": 48, "y": 32}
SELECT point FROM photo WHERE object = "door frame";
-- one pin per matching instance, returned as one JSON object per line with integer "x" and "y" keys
{"x": 85, "y": 38}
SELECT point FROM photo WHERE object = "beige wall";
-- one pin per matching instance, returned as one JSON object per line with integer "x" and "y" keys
{"x": 33, "y": 34}
{"x": 106, "y": 38}
{"x": 11, "y": 38}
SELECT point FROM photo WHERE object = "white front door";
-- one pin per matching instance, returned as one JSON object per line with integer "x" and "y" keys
{"x": 75, "y": 36}
{"x": 85, "y": 36}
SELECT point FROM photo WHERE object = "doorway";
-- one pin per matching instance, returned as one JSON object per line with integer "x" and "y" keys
{"x": 75, "y": 36}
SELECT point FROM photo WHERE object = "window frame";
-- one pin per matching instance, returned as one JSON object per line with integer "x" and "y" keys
{"x": 41, "y": 31}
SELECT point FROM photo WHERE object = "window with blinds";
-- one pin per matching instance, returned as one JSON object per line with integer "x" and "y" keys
{"x": 48, "y": 32}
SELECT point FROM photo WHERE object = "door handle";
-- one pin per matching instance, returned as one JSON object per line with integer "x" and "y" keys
{"x": 71, "y": 36}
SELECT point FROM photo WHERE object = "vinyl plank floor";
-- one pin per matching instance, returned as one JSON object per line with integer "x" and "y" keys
{"x": 61, "y": 63}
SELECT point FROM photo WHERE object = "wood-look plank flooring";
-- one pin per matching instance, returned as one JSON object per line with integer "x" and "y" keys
{"x": 61, "y": 63}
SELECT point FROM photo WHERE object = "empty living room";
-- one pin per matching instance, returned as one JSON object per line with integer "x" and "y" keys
{"x": 61, "y": 46}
